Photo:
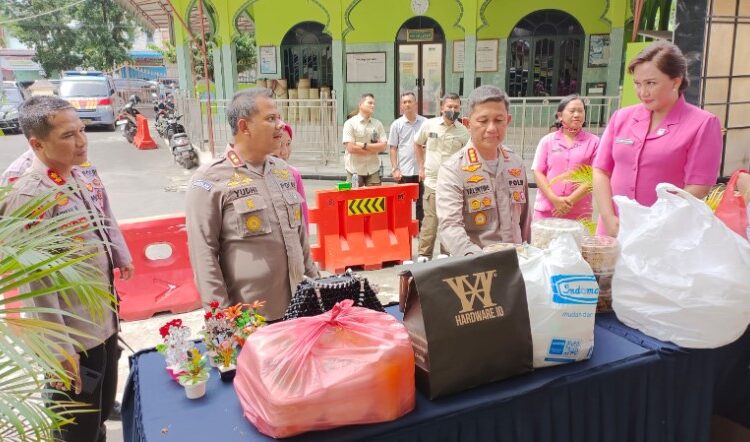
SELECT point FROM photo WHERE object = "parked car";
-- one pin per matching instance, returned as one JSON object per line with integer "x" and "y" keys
{"x": 94, "y": 96}
{"x": 10, "y": 99}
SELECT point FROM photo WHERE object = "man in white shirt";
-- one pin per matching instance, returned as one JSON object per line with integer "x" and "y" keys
{"x": 401, "y": 140}
{"x": 364, "y": 138}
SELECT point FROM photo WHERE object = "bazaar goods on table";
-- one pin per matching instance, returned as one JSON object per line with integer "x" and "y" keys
{"x": 350, "y": 365}
{"x": 193, "y": 375}
{"x": 682, "y": 274}
{"x": 601, "y": 253}
{"x": 226, "y": 330}
{"x": 562, "y": 293}
{"x": 315, "y": 296}
{"x": 543, "y": 231}
{"x": 468, "y": 321}
{"x": 176, "y": 345}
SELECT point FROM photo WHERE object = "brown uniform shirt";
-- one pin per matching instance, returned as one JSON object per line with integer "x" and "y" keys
{"x": 87, "y": 194}
{"x": 476, "y": 207}
{"x": 245, "y": 233}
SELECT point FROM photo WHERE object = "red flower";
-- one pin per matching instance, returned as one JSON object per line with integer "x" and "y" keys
{"x": 164, "y": 329}
{"x": 208, "y": 316}
{"x": 214, "y": 304}
{"x": 220, "y": 315}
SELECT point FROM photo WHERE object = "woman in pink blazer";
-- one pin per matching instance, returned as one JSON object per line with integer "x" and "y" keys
{"x": 661, "y": 140}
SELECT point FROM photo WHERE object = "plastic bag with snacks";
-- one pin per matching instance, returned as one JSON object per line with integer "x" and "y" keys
{"x": 682, "y": 275}
{"x": 350, "y": 365}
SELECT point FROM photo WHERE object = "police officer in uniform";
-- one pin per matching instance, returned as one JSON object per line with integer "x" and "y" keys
{"x": 482, "y": 191}
{"x": 246, "y": 237}
{"x": 58, "y": 141}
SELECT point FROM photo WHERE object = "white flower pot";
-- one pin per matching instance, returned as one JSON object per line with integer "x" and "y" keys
{"x": 195, "y": 391}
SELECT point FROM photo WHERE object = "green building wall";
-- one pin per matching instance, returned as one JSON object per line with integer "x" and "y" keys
{"x": 372, "y": 26}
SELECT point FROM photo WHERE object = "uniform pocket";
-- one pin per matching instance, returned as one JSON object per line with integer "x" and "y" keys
{"x": 252, "y": 216}
{"x": 293, "y": 202}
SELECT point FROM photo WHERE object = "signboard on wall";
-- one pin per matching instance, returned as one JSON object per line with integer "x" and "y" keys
{"x": 416, "y": 35}
{"x": 487, "y": 52}
{"x": 458, "y": 55}
{"x": 365, "y": 67}
{"x": 267, "y": 58}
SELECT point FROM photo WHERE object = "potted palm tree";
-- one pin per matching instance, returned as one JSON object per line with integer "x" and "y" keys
{"x": 48, "y": 250}
{"x": 194, "y": 375}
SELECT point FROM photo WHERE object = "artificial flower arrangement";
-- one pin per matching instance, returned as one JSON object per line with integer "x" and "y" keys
{"x": 226, "y": 330}
{"x": 194, "y": 374}
{"x": 176, "y": 344}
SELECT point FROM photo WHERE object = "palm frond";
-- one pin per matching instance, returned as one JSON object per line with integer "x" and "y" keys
{"x": 43, "y": 256}
{"x": 583, "y": 175}
{"x": 589, "y": 224}
{"x": 714, "y": 196}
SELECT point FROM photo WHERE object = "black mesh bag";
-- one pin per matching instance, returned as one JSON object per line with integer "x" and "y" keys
{"x": 316, "y": 296}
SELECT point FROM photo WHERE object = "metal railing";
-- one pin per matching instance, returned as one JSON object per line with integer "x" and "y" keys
{"x": 313, "y": 121}
{"x": 532, "y": 118}
{"x": 317, "y": 132}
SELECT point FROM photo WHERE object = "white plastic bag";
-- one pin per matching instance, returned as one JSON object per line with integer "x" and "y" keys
{"x": 682, "y": 276}
{"x": 562, "y": 293}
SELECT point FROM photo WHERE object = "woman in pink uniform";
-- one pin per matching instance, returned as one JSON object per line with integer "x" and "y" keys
{"x": 558, "y": 153}
{"x": 284, "y": 152}
{"x": 661, "y": 140}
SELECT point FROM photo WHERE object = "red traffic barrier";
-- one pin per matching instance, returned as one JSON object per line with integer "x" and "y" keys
{"x": 163, "y": 280}
{"x": 367, "y": 226}
{"x": 142, "y": 139}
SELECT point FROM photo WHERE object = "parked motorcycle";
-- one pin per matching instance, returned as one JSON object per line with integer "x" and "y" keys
{"x": 173, "y": 125}
{"x": 126, "y": 119}
{"x": 182, "y": 150}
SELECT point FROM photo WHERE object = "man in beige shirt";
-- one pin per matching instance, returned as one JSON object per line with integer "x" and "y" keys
{"x": 246, "y": 237}
{"x": 364, "y": 137}
{"x": 58, "y": 141}
{"x": 438, "y": 139}
{"x": 482, "y": 191}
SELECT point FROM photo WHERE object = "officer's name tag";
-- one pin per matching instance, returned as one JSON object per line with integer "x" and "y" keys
{"x": 623, "y": 141}
{"x": 433, "y": 135}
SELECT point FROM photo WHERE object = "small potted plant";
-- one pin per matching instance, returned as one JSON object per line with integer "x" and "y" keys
{"x": 194, "y": 375}
{"x": 226, "y": 358}
{"x": 176, "y": 344}
{"x": 218, "y": 328}
{"x": 246, "y": 319}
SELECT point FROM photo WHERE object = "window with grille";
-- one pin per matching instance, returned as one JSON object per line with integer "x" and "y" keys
{"x": 306, "y": 53}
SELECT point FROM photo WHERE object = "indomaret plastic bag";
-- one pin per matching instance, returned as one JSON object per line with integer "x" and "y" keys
{"x": 562, "y": 294}
{"x": 349, "y": 365}
{"x": 682, "y": 275}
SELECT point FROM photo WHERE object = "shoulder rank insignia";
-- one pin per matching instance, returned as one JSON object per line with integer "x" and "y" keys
{"x": 282, "y": 174}
{"x": 473, "y": 156}
{"x": 238, "y": 180}
{"x": 234, "y": 158}
{"x": 516, "y": 172}
{"x": 475, "y": 179}
{"x": 55, "y": 177}
{"x": 471, "y": 167}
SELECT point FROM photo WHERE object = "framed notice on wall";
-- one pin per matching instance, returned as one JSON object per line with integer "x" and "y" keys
{"x": 267, "y": 57}
{"x": 365, "y": 67}
{"x": 598, "y": 50}
{"x": 487, "y": 55}
{"x": 459, "y": 48}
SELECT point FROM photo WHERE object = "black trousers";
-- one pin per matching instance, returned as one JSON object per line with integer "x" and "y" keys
{"x": 415, "y": 179}
{"x": 89, "y": 427}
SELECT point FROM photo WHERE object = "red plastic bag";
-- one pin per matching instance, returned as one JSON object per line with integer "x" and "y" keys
{"x": 347, "y": 366}
{"x": 732, "y": 209}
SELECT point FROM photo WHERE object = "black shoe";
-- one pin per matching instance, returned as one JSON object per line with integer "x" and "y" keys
{"x": 115, "y": 413}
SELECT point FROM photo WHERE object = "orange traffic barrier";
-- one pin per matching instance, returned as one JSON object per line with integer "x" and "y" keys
{"x": 163, "y": 280}
{"x": 142, "y": 139}
{"x": 366, "y": 227}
